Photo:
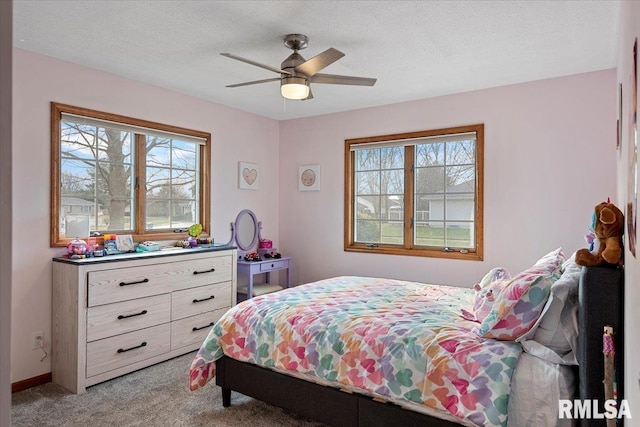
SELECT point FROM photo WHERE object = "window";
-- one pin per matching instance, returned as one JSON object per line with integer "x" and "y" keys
{"x": 116, "y": 174}
{"x": 417, "y": 193}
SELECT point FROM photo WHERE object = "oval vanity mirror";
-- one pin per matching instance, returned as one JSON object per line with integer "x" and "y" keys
{"x": 245, "y": 231}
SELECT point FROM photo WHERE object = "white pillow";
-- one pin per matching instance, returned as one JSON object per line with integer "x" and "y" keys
{"x": 557, "y": 327}
{"x": 536, "y": 388}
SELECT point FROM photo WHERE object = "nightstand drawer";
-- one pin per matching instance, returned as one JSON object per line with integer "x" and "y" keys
{"x": 114, "y": 319}
{"x": 200, "y": 300}
{"x": 192, "y": 331}
{"x": 122, "y": 350}
{"x": 274, "y": 265}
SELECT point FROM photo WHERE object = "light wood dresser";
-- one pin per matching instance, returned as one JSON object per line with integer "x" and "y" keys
{"x": 115, "y": 314}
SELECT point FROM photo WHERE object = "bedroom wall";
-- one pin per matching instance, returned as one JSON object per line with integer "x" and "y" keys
{"x": 630, "y": 30}
{"x": 38, "y": 80}
{"x": 544, "y": 142}
{"x": 6, "y": 32}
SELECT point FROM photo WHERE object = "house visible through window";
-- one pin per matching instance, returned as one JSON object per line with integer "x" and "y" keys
{"x": 126, "y": 176}
{"x": 416, "y": 193}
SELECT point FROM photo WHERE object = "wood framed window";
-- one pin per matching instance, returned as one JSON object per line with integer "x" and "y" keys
{"x": 417, "y": 193}
{"x": 122, "y": 175}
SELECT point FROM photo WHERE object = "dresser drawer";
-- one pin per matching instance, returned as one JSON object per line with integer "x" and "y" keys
{"x": 274, "y": 265}
{"x": 105, "y": 287}
{"x": 192, "y": 331}
{"x": 190, "y": 302}
{"x": 121, "y": 317}
{"x": 122, "y": 350}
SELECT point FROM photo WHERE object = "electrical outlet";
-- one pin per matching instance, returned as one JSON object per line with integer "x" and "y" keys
{"x": 38, "y": 340}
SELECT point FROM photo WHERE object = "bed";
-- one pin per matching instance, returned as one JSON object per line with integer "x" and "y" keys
{"x": 351, "y": 351}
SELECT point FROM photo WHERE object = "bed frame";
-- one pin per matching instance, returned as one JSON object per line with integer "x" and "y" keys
{"x": 601, "y": 296}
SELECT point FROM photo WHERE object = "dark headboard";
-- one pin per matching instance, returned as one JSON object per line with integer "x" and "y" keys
{"x": 601, "y": 299}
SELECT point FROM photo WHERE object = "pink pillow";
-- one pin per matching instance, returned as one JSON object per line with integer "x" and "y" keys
{"x": 520, "y": 302}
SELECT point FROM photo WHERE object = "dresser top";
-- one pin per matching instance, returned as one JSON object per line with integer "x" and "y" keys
{"x": 139, "y": 255}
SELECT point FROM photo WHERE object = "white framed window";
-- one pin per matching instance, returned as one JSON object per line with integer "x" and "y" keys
{"x": 417, "y": 193}
{"x": 127, "y": 175}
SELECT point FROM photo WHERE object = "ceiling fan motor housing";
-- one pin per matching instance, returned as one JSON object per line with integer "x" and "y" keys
{"x": 296, "y": 41}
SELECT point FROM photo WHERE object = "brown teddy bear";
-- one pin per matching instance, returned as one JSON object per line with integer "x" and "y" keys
{"x": 608, "y": 228}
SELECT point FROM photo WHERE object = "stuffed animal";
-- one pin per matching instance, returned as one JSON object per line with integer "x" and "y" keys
{"x": 608, "y": 228}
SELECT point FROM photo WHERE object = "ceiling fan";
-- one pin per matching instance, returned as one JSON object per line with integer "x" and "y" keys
{"x": 296, "y": 73}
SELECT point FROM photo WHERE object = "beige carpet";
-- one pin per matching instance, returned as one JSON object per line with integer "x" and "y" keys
{"x": 155, "y": 396}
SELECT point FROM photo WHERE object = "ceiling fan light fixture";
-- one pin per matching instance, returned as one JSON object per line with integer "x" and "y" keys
{"x": 293, "y": 87}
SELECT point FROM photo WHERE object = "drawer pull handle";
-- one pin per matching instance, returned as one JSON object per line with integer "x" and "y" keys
{"x": 204, "y": 271}
{"x": 126, "y": 316}
{"x": 145, "y": 280}
{"x": 195, "y": 328}
{"x": 204, "y": 299}
{"x": 123, "y": 350}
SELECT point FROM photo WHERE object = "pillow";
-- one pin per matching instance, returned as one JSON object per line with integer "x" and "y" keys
{"x": 557, "y": 327}
{"x": 519, "y": 304}
{"x": 486, "y": 291}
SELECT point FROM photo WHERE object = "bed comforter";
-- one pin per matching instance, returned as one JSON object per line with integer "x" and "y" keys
{"x": 395, "y": 340}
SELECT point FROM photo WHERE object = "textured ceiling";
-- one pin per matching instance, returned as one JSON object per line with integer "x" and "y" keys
{"x": 416, "y": 49}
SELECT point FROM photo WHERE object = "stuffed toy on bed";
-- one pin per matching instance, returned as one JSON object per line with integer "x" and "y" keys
{"x": 608, "y": 228}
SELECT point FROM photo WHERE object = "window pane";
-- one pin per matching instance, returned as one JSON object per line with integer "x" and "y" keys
{"x": 392, "y": 232}
{"x": 367, "y": 159}
{"x": 393, "y": 208}
{"x": 183, "y": 155}
{"x": 96, "y": 177}
{"x": 460, "y": 207}
{"x": 114, "y": 145}
{"x": 392, "y": 157}
{"x": 429, "y": 180}
{"x": 429, "y": 207}
{"x": 445, "y": 194}
{"x": 392, "y": 182}
{"x": 367, "y": 231}
{"x": 460, "y": 235}
{"x": 183, "y": 184}
{"x": 368, "y": 182}
{"x": 158, "y": 152}
{"x": 429, "y": 233}
{"x": 461, "y": 152}
{"x": 430, "y": 155}
{"x": 171, "y": 183}
{"x": 368, "y": 207}
{"x": 461, "y": 179}
{"x": 379, "y": 195}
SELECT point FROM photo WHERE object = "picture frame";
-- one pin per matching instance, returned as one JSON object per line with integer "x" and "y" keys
{"x": 631, "y": 210}
{"x": 309, "y": 178}
{"x": 619, "y": 123}
{"x": 248, "y": 176}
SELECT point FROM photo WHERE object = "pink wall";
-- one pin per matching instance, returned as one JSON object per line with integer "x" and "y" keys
{"x": 38, "y": 80}
{"x": 550, "y": 157}
{"x": 630, "y": 30}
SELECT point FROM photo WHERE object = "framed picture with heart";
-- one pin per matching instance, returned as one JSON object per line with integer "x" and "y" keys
{"x": 248, "y": 176}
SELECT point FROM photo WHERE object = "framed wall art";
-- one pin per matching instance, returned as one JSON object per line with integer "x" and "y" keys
{"x": 309, "y": 178}
{"x": 248, "y": 176}
{"x": 632, "y": 174}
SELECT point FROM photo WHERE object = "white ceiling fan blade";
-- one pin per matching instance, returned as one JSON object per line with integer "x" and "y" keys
{"x": 342, "y": 80}
{"x": 257, "y": 64}
{"x": 320, "y": 61}
{"x": 255, "y": 82}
